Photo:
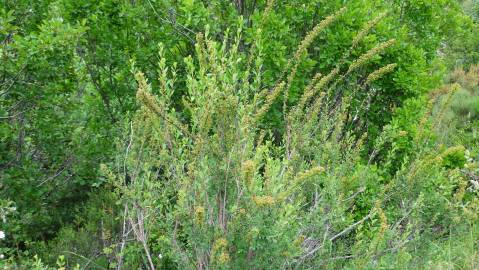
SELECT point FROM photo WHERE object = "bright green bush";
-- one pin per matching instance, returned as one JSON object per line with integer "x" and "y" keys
{"x": 216, "y": 192}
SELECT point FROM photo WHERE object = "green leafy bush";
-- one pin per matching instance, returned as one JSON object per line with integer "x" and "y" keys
{"x": 217, "y": 192}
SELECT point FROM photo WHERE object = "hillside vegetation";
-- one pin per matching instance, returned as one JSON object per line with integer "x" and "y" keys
{"x": 245, "y": 134}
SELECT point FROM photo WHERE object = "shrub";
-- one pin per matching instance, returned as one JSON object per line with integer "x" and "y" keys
{"x": 217, "y": 192}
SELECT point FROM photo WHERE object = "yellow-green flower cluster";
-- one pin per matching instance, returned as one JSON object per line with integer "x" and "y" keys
{"x": 366, "y": 29}
{"x": 309, "y": 173}
{"x": 311, "y": 92}
{"x": 248, "y": 169}
{"x": 402, "y": 133}
{"x": 220, "y": 243}
{"x": 308, "y": 92}
{"x": 315, "y": 32}
{"x": 321, "y": 84}
{"x": 269, "y": 7}
{"x": 199, "y": 214}
{"x": 366, "y": 57}
{"x": 219, "y": 251}
{"x": 270, "y": 98}
{"x": 144, "y": 96}
{"x": 375, "y": 75}
{"x": 263, "y": 201}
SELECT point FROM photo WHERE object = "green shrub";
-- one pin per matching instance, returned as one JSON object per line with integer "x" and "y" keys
{"x": 217, "y": 192}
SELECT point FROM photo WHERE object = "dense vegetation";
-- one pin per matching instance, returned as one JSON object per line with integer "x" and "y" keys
{"x": 242, "y": 134}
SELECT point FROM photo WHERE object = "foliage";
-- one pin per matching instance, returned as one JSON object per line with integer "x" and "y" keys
{"x": 271, "y": 134}
{"x": 309, "y": 202}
